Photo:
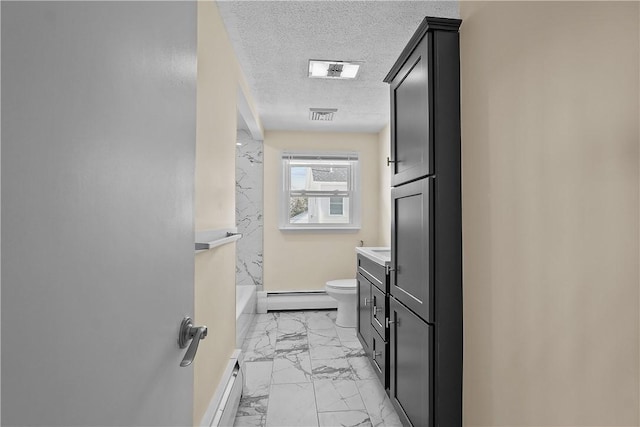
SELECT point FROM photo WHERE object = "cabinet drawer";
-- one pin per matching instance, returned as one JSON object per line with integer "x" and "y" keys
{"x": 410, "y": 366}
{"x": 379, "y": 351}
{"x": 372, "y": 271}
{"x": 364, "y": 312}
{"x": 379, "y": 312}
{"x": 412, "y": 246}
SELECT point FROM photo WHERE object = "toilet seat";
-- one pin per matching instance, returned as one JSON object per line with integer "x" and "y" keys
{"x": 342, "y": 284}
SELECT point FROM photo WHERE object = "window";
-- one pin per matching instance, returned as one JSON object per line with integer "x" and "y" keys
{"x": 320, "y": 191}
{"x": 336, "y": 206}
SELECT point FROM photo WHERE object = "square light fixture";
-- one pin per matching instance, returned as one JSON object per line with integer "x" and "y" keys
{"x": 320, "y": 69}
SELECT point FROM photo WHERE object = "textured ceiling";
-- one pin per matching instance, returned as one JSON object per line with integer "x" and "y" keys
{"x": 274, "y": 41}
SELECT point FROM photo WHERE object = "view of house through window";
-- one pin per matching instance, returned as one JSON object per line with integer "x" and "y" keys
{"x": 319, "y": 190}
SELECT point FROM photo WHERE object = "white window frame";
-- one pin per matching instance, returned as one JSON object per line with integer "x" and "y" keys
{"x": 353, "y": 192}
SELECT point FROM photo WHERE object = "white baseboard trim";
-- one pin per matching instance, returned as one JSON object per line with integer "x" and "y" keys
{"x": 224, "y": 404}
{"x": 294, "y": 300}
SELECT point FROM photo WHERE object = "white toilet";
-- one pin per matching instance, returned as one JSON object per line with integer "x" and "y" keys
{"x": 344, "y": 291}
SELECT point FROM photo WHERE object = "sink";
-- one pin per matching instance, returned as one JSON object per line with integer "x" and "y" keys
{"x": 382, "y": 252}
{"x": 380, "y": 256}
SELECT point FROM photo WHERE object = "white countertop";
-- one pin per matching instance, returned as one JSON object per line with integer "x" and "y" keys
{"x": 379, "y": 255}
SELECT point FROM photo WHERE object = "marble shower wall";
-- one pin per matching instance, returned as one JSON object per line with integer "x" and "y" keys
{"x": 249, "y": 208}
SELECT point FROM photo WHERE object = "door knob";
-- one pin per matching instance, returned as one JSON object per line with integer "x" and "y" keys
{"x": 189, "y": 332}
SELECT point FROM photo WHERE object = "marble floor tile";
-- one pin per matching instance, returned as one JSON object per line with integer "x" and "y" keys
{"x": 347, "y": 334}
{"x": 257, "y": 378}
{"x": 333, "y": 369}
{"x": 252, "y": 406}
{"x": 263, "y": 323}
{"x": 250, "y": 421}
{"x": 362, "y": 369}
{"x": 353, "y": 348}
{"x": 291, "y": 367}
{"x": 327, "y": 352}
{"x": 344, "y": 418}
{"x": 337, "y": 395}
{"x": 292, "y": 405}
{"x": 319, "y": 320}
{"x": 292, "y": 341}
{"x": 300, "y": 315}
{"x": 260, "y": 347}
{"x": 320, "y": 337}
{"x": 292, "y": 324}
{"x": 381, "y": 411}
{"x": 300, "y": 370}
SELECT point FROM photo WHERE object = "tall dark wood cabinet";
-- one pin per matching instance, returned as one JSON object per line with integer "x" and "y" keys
{"x": 425, "y": 304}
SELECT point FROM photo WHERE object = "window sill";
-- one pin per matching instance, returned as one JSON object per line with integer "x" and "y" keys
{"x": 353, "y": 229}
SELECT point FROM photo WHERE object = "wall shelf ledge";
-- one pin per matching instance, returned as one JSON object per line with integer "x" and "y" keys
{"x": 209, "y": 239}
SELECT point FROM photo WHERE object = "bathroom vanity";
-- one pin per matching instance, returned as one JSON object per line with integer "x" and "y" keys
{"x": 373, "y": 302}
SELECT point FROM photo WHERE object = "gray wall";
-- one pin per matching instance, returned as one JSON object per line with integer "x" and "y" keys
{"x": 98, "y": 147}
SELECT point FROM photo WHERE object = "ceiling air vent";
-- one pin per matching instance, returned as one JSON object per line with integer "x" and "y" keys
{"x": 322, "y": 114}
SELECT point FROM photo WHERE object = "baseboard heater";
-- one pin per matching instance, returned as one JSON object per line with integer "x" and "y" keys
{"x": 224, "y": 405}
{"x": 294, "y": 300}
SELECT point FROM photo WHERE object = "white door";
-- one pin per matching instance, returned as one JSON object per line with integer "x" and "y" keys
{"x": 98, "y": 147}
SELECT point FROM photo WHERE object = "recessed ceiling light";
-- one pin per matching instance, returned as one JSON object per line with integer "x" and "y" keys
{"x": 321, "y": 69}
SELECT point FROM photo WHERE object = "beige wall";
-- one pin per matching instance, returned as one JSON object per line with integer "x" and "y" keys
{"x": 219, "y": 77}
{"x": 384, "y": 232}
{"x": 299, "y": 260}
{"x": 550, "y": 213}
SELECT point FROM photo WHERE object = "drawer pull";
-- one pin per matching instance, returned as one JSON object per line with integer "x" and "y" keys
{"x": 389, "y": 322}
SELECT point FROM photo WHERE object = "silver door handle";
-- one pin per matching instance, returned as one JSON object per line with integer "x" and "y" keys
{"x": 193, "y": 333}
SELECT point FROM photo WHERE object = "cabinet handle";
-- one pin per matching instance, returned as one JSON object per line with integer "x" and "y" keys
{"x": 376, "y": 354}
{"x": 389, "y": 161}
{"x": 389, "y": 322}
{"x": 367, "y": 301}
{"x": 376, "y": 309}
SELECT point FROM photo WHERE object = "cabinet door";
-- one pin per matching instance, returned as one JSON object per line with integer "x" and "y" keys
{"x": 412, "y": 246}
{"x": 410, "y": 366}
{"x": 364, "y": 313}
{"x": 411, "y": 136}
